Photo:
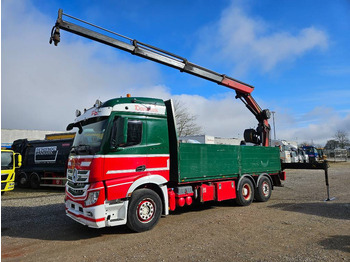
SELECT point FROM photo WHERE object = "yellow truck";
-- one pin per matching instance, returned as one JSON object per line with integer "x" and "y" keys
{"x": 9, "y": 162}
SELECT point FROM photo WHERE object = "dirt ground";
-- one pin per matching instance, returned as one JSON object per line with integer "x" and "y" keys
{"x": 296, "y": 224}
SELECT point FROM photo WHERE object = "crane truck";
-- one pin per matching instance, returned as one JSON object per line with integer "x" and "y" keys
{"x": 127, "y": 165}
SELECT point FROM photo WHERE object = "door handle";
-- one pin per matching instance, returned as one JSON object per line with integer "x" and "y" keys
{"x": 140, "y": 168}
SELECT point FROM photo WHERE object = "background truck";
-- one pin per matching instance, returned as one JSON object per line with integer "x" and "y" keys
{"x": 321, "y": 155}
{"x": 9, "y": 162}
{"x": 285, "y": 150}
{"x": 312, "y": 152}
{"x": 127, "y": 165}
{"x": 44, "y": 162}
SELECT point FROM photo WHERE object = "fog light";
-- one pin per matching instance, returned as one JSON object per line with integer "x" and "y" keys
{"x": 92, "y": 198}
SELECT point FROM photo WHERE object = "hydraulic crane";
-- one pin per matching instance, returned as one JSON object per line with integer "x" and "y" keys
{"x": 243, "y": 91}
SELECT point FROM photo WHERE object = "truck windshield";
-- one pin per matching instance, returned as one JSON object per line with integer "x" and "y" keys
{"x": 6, "y": 160}
{"x": 89, "y": 141}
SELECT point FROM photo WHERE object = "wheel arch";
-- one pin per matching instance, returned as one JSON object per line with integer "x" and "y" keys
{"x": 250, "y": 177}
{"x": 264, "y": 175}
{"x": 156, "y": 183}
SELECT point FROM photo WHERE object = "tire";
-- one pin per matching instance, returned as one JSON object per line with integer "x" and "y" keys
{"x": 145, "y": 209}
{"x": 264, "y": 190}
{"x": 245, "y": 192}
{"x": 34, "y": 180}
{"x": 23, "y": 180}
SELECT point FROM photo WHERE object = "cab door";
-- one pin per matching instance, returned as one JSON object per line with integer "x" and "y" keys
{"x": 127, "y": 160}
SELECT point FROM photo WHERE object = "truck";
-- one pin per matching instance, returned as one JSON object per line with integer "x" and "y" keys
{"x": 312, "y": 152}
{"x": 285, "y": 150}
{"x": 303, "y": 157}
{"x": 127, "y": 165}
{"x": 10, "y": 161}
{"x": 44, "y": 162}
{"x": 321, "y": 155}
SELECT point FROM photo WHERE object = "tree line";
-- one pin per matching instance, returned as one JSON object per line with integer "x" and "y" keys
{"x": 341, "y": 140}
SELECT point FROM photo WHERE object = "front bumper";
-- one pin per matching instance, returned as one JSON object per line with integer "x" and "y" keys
{"x": 7, "y": 186}
{"x": 105, "y": 215}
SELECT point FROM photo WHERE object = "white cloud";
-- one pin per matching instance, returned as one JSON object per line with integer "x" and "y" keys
{"x": 317, "y": 125}
{"x": 42, "y": 85}
{"x": 221, "y": 115}
{"x": 251, "y": 43}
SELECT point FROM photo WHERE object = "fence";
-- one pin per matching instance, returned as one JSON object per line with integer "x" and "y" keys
{"x": 337, "y": 155}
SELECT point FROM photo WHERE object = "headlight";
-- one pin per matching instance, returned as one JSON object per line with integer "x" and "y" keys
{"x": 92, "y": 198}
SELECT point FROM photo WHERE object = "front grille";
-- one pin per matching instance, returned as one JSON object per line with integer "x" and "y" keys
{"x": 3, "y": 185}
{"x": 4, "y": 177}
{"x": 76, "y": 192}
{"x": 77, "y": 182}
{"x": 77, "y": 189}
{"x": 76, "y": 175}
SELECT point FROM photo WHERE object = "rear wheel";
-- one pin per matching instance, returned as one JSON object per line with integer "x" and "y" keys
{"x": 34, "y": 180}
{"x": 245, "y": 192}
{"x": 264, "y": 190}
{"x": 144, "y": 210}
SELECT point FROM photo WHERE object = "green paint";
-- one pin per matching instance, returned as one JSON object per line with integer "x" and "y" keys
{"x": 198, "y": 162}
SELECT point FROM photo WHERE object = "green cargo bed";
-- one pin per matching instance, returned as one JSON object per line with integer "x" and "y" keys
{"x": 200, "y": 162}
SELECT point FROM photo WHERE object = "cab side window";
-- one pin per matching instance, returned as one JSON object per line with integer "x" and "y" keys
{"x": 134, "y": 132}
{"x": 126, "y": 132}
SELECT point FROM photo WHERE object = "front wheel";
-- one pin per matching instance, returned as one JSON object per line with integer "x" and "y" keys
{"x": 245, "y": 192}
{"x": 264, "y": 190}
{"x": 144, "y": 210}
{"x": 22, "y": 180}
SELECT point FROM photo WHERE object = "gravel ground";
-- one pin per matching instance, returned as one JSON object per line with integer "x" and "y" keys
{"x": 296, "y": 224}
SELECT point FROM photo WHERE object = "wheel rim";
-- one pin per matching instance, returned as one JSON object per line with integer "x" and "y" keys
{"x": 22, "y": 179}
{"x": 146, "y": 210}
{"x": 265, "y": 189}
{"x": 246, "y": 191}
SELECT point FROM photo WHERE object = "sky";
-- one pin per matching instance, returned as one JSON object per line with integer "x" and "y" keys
{"x": 295, "y": 54}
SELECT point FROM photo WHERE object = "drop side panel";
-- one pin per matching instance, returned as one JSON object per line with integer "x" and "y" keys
{"x": 200, "y": 162}
{"x": 258, "y": 159}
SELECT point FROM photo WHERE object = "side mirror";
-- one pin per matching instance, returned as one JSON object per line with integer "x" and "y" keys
{"x": 18, "y": 160}
{"x": 70, "y": 127}
{"x": 78, "y": 125}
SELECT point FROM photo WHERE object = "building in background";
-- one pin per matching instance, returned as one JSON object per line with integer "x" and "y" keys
{"x": 10, "y": 135}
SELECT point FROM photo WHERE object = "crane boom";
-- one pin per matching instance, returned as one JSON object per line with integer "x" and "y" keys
{"x": 243, "y": 90}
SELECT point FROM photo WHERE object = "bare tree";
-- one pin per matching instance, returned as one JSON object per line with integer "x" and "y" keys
{"x": 342, "y": 138}
{"x": 331, "y": 144}
{"x": 185, "y": 121}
